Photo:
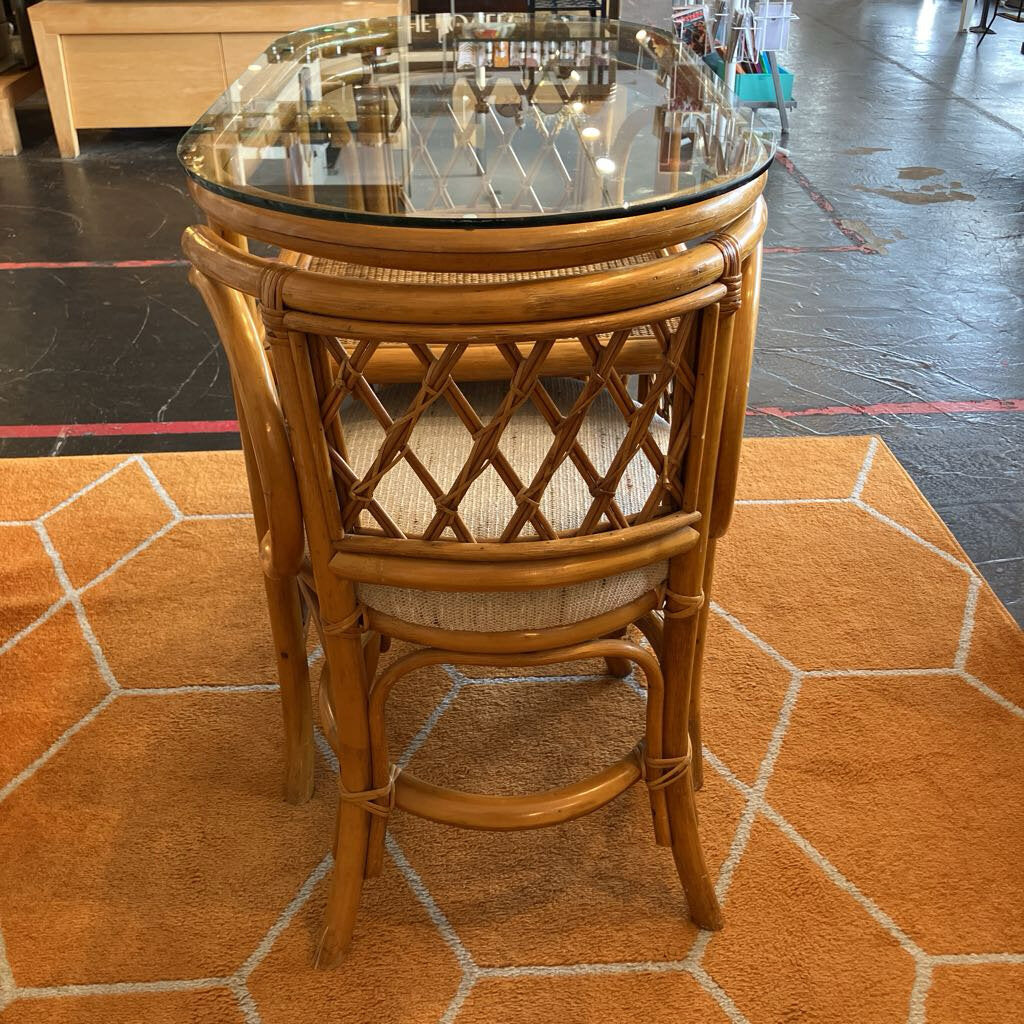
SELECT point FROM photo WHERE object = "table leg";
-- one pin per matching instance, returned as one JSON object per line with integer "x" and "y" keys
{"x": 10, "y": 139}
{"x": 14, "y": 87}
{"x": 50, "y": 49}
{"x": 773, "y": 63}
{"x": 966, "y": 7}
{"x": 982, "y": 28}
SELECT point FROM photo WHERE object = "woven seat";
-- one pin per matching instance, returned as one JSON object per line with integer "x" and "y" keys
{"x": 394, "y": 275}
{"x": 442, "y": 443}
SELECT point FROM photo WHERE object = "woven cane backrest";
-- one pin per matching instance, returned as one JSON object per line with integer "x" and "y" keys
{"x": 643, "y": 376}
{"x": 655, "y": 431}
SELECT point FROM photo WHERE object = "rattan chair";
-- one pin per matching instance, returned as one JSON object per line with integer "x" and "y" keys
{"x": 494, "y": 492}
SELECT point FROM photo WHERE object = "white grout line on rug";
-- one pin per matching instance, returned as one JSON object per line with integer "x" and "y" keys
{"x": 865, "y": 469}
{"x": 71, "y": 592}
{"x": 755, "y": 794}
{"x": 158, "y": 487}
{"x": 58, "y": 744}
{"x": 246, "y": 1003}
{"x": 974, "y": 959}
{"x": 918, "y": 1014}
{"x": 36, "y": 623}
{"x": 7, "y": 986}
{"x": 720, "y": 996}
{"x": 987, "y": 691}
{"x": 760, "y": 644}
{"x": 117, "y": 988}
{"x": 432, "y": 719}
{"x": 101, "y": 479}
{"x": 451, "y": 1011}
{"x": 76, "y": 602}
{"x": 756, "y": 798}
{"x": 917, "y": 538}
{"x": 272, "y": 934}
{"x": 963, "y": 647}
{"x": 325, "y": 749}
{"x": 841, "y": 881}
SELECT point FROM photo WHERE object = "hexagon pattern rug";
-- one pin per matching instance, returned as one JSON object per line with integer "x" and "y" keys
{"x": 862, "y": 809}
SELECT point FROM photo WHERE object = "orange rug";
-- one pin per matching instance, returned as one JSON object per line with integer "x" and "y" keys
{"x": 863, "y": 806}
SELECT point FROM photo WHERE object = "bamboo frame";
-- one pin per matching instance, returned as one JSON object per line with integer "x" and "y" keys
{"x": 330, "y": 335}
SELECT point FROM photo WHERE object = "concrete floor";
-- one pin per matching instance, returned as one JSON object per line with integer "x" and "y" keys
{"x": 893, "y": 299}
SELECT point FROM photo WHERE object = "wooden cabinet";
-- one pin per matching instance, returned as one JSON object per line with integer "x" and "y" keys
{"x": 239, "y": 48}
{"x": 126, "y": 81}
{"x": 158, "y": 63}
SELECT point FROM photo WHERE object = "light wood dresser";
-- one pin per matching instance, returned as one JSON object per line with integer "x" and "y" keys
{"x": 158, "y": 63}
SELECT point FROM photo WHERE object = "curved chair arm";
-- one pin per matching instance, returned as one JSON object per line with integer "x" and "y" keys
{"x": 420, "y": 308}
{"x": 262, "y": 425}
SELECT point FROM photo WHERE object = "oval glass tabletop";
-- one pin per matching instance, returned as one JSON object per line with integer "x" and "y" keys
{"x": 444, "y": 120}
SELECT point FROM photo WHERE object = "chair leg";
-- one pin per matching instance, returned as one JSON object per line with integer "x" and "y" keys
{"x": 346, "y": 678}
{"x": 350, "y": 843}
{"x": 696, "y": 702}
{"x": 328, "y": 723}
{"x": 288, "y": 632}
{"x": 705, "y": 911}
{"x": 328, "y": 726}
{"x": 618, "y": 667}
{"x": 678, "y": 668}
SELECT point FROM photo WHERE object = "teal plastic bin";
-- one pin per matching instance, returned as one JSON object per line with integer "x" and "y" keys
{"x": 754, "y": 88}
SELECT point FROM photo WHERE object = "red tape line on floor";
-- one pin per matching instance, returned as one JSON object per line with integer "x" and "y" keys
{"x": 92, "y": 264}
{"x": 860, "y": 243}
{"x": 29, "y": 430}
{"x": 896, "y": 408}
{"x": 116, "y": 429}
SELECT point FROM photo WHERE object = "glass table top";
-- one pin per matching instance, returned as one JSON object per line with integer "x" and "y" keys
{"x": 498, "y": 120}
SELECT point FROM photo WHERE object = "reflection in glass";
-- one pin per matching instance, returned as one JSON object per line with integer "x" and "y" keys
{"x": 431, "y": 117}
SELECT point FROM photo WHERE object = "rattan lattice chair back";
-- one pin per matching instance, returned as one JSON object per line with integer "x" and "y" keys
{"x": 501, "y": 469}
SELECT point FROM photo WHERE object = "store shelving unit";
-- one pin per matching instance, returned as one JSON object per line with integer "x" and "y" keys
{"x": 771, "y": 21}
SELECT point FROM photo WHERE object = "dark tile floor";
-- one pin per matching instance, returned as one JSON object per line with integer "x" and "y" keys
{"x": 894, "y": 275}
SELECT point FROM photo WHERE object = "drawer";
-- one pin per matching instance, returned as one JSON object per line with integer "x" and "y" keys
{"x": 130, "y": 81}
